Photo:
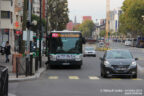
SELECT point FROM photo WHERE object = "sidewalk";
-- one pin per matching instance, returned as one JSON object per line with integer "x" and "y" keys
{"x": 12, "y": 76}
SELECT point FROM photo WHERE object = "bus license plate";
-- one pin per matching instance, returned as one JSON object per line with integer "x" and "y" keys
{"x": 62, "y": 57}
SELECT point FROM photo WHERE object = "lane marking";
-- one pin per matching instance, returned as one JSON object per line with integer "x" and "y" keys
{"x": 73, "y": 77}
{"x": 141, "y": 58}
{"x": 93, "y": 78}
{"x": 137, "y": 79}
{"x": 53, "y": 77}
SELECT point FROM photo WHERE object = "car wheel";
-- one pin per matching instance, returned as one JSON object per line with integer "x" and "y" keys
{"x": 78, "y": 67}
{"x": 134, "y": 76}
{"x": 103, "y": 75}
{"x": 52, "y": 66}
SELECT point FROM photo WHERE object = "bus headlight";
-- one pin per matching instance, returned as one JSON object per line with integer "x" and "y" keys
{"x": 78, "y": 57}
{"x": 53, "y": 57}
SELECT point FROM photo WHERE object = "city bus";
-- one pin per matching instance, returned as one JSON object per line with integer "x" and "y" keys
{"x": 65, "y": 48}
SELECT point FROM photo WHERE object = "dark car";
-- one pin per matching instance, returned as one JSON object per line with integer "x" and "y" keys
{"x": 118, "y": 62}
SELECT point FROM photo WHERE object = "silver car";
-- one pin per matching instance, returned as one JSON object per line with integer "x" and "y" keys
{"x": 89, "y": 51}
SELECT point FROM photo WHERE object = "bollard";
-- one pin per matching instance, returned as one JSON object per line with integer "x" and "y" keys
{"x": 27, "y": 67}
{"x": 31, "y": 64}
{"x": 36, "y": 63}
{"x": 17, "y": 67}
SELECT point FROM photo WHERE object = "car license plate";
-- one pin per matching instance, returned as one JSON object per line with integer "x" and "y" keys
{"x": 121, "y": 68}
{"x": 65, "y": 63}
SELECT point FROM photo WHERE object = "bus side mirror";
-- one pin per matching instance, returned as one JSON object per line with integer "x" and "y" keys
{"x": 83, "y": 40}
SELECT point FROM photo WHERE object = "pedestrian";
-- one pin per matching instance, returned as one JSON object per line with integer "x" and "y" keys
{"x": 7, "y": 51}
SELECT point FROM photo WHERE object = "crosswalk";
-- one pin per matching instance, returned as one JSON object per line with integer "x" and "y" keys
{"x": 89, "y": 78}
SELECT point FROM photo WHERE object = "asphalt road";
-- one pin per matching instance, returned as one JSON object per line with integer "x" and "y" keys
{"x": 85, "y": 82}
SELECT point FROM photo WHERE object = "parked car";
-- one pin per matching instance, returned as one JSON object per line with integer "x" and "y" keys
{"x": 89, "y": 51}
{"x": 128, "y": 42}
{"x": 118, "y": 62}
{"x": 134, "y": 42}
{"x": 2, "y": 48}
{"x": 101, "y": 44}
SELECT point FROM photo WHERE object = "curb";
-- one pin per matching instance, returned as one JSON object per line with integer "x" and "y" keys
{"x": 37, "y": 75}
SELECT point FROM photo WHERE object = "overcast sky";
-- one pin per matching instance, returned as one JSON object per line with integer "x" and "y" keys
{"x": 94, "y": 8}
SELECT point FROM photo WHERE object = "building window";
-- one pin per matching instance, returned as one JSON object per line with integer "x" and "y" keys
{"x": 5, "y": 14}
{"x": 11, "y": 2}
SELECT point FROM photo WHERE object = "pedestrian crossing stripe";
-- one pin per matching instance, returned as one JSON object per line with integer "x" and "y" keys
{"x": 93, "y": 78}
{"x": 141, "y": 58}
{"x": 90, "y": 78}
{"x": 73, "y": 77}
{"x": 53, "y": 77}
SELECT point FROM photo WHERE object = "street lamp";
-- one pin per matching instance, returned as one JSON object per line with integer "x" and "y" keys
{"x": 34, "y": 22}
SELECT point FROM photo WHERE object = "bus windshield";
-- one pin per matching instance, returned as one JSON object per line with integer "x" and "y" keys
{"x": 65, "y": 44}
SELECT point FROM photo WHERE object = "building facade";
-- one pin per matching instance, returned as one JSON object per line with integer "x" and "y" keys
{"x": 114, "y": 19}
{"x": 6, "y": 20}
{"x": 70, "y": 26}
{"x": 36, "y": 8}
{"x": 10, "y": 20}
{"x": 87, "y": 18}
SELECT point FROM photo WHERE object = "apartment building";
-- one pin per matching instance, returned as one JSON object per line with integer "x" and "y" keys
{"x": 114, "y": 19}
{"x": 6, "y": 20}
{"x": 10, "y": 20}
{"x": 36, "y": 7}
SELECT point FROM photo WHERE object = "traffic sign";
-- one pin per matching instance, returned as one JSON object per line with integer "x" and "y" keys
{"x": 16, "y": 24}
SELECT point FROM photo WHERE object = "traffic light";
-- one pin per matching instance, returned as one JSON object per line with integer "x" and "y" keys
{"x": 28, "y": 24}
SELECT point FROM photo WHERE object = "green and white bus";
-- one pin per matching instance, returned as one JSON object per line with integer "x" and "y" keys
{"x": 65, "y": 48}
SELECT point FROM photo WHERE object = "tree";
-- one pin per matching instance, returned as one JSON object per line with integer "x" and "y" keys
{"x": 37, "y": 18}
{"x": 57, "y": 14}
{"x": 131, "y": 20}
{"x": 87, "y": 27}
{"x": 103, "y": 33}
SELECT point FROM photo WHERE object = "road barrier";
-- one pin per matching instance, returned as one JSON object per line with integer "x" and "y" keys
{"x": 25, "y": 66}
{"x": 3, "y": 81}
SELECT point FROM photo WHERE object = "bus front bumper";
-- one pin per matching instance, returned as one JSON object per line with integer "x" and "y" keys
{"x": 65, "y": 63}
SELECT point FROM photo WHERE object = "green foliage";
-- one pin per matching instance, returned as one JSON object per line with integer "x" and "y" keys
{"x": 131, "y": 20}
{"x": 58, "y": 14}
{"x": 103, "y": 33}
{"x": 37, "y": 18}
{"x": 87, "y": 27}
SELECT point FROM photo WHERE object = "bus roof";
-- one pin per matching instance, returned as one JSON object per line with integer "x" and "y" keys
{"x": 66, "y": 31}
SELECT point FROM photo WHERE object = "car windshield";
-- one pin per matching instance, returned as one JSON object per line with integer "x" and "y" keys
{"x": 118, "y": 55}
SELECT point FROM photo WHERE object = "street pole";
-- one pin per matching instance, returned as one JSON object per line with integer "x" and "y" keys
{"x": 40, "y": 35}
{"x": 28, "y": 37}
{"x": 47, "y": 29}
